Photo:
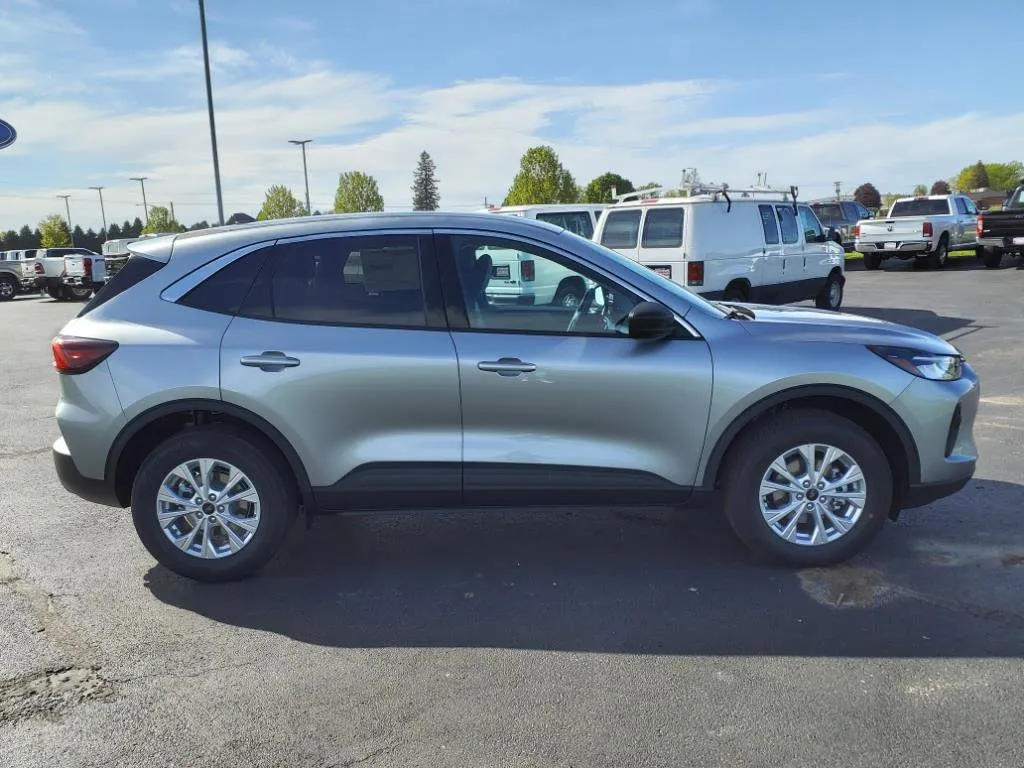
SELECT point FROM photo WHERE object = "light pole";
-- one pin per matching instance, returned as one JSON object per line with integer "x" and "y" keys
{"x": 103, "y": 212}
{"x": 838, "y": 196}
{"x": 209, "y": 104}
{"x": 142, "y": 181}
{"x": 305, "y": 174}
{"x": 67, "y": 208}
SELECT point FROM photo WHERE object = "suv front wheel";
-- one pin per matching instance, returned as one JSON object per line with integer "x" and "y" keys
{"x": 212, "y": 503}
{"x": 807, "y": 488}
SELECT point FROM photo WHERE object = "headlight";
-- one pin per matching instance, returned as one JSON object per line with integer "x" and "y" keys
{"x": 926, "y": 365}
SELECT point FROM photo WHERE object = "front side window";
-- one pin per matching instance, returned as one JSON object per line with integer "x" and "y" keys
{"x": 663, "y": 228}
{"x": 621, "y": 229}
{"x": 361, "y": 281}
{"x": 811, "y": 226}
{"x": 511, "y": 286}
{"x": 787, "y": 223}
{"x": 972, "y": 209}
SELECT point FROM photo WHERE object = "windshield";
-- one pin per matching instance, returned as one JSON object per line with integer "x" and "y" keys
{"x": 923, "y": 207}
{"x": 644, "y": 273}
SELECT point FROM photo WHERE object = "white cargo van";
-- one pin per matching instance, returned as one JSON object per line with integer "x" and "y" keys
{"x": 520, "y": 279}
{"x": 757, "y": 245}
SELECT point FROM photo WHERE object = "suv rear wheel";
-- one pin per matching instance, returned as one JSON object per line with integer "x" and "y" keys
{"x": 807, "y": 488}
{"x": 212, "y": 504}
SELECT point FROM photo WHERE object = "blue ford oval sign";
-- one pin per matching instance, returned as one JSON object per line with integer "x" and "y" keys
{"x": 7, "y": 134}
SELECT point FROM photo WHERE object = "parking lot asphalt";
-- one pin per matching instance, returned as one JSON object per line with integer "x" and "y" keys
{"x": 550, "y": 638}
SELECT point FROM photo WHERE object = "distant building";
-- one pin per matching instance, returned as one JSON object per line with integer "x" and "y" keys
{"x": 986, "y": 198}
{"x": 240, "y": 218}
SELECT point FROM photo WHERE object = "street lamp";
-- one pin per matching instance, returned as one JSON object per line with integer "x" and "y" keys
{"x": 67, "y": 208}
{"x": 103, "y": 212}
{"x": 209, "y": 105}
{"x": 305, "y": 174}
{"x": 142, "y": 181}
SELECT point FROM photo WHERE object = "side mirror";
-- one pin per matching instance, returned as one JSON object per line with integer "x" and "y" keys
{"x": 650, "y": 320}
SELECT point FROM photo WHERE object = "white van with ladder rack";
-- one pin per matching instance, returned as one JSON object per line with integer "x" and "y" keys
{"x": 747, "y": 245}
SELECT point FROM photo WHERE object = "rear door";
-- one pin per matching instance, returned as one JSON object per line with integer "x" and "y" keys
{"x": 341, "y": 344}
{"x": 542, "y": 394}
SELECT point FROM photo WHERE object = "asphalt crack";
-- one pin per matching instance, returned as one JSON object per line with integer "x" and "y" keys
{"x": 51, "y": 693}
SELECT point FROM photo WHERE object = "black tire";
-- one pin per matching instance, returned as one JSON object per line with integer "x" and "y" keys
{"x": 8, "y": 288}
{"x": 737, "y": 292}
{"x": 570, "y": 293}
{"x": 269, "y": 474}
{"x": 753, "y": 453}
{"x": 76, "y": 293}
{"x": 937, "y": 258}
{"x": 57, "y": 294}
{"x": 872, "y": 261}
{"x": 831, "y": 294}
{"x": 992, "y": 258}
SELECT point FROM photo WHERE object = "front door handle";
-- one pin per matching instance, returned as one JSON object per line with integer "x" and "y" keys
{"x": 269, "y": 361}
{"x": 506, "y": 366}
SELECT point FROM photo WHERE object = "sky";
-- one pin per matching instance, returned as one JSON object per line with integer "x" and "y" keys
{"x": 808, "y": 92}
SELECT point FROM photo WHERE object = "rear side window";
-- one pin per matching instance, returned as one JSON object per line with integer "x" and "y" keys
{"x": 787, "y": 221}
{"x": 225, "y": 290}
{"x": 361, "y": 281}
{"x": 663, "y": 228}
{"x": 621, "y": 229}
{"x": 135, "y": 270}
{"x": 577, "y": 222}
{"x": 771, "y": 228}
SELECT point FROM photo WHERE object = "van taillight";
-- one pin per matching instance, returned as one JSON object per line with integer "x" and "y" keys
{"x": 39, "y": 269}
{"x": 695, "y": 273}
{"x": 856, "y": 230}
{"x": 526, "y": 271}
{"x": 981, "y": 226}
{"x": 74, "y": 354}
{"x": 926, "y": 229}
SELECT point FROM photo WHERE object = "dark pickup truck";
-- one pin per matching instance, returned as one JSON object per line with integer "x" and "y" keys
{"x": 1002, "y": 231}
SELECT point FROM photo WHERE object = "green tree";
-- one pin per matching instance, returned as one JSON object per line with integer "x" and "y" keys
{"x": 940, "y": 187}
{"x": 357, "y": 192}
{"x": 888, "y": 199}
{"x": 280, "y": 203}
{"x": 89, "y": 240}
{"x": 54, "y": 232}
{"x": 972, "y": 177}
{"x": 137, "y": 227}
{"x": 199, "y": 225}
{"x": 868, "y": 196}
{"x": 78, "y": 236}
{"x": 160, "y": 221}
{"x": 542, "y": 179}
{"x": 599, "y": 190}
{"x": 27, "y": 238}
{"x": 425, "y": 196}
{"x": 1005, "y": 175}
{"x": 920, "y": 190}
{"x": 113, "y": 232}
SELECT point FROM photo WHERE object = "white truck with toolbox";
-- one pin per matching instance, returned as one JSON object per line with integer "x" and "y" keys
{"x": 83, "y": 271}
{"x": 922, "y": 228}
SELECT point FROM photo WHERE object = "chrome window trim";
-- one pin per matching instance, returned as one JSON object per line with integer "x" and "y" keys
{"x": 186, "y": 283}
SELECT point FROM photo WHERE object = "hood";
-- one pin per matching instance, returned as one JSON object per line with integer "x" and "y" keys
{"x": 808, "y": 324}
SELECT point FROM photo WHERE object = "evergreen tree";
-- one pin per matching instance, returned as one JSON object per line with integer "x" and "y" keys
{"x": 425, "y": 196}
{"x": 113, "y": 232}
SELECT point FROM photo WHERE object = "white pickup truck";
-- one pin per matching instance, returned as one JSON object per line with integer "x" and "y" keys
{"x": 84, "y": 272}
{"x": 925, "y": 229}
{"x": 50, "y": 273}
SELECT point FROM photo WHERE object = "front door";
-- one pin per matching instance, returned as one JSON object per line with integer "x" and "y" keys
{"x": 769, "y": 291}
{"x": 792, "y": 253}
{"x": 559, "y": 405}
{"x": 342, "y": 346}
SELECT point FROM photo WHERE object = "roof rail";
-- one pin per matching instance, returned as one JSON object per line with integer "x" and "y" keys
{"x": 714, "y": 191}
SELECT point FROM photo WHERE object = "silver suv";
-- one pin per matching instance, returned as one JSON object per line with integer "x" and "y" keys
{"x": 225, "y": 380}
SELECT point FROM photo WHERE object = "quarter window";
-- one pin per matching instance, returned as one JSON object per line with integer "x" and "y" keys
{"x": 961, "y": 206}
{"x": 361, "y": 281}
{"x": 663, "y": 228}
{"x": 770, "y": 226}
{"x": 787, "y": 222}
{"x": 226, "y": 289}
{"x": 621, "y": 229}
{"x": 578, "y": 222}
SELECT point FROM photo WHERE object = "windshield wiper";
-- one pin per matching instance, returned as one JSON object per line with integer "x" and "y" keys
{"x": 736, "y": 311}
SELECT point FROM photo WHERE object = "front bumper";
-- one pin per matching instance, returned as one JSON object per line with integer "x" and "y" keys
{"x": 88, "y": 488}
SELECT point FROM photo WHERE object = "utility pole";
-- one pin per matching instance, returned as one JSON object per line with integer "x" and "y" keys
{"x": 103, "y": 212}
{"x": 209, "y": 106}
{"x": 305, "y": 174}
{"x": 142, "y": 181}
{"x": 838, "y": 196}
{"x": 67, "y": 208}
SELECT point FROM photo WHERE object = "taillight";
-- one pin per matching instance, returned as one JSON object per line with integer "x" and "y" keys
{"x": 926, "y": 229}
{"x": 695, "y": 273}
{"x": 856, "y": 230}
{"x": 526, "y": 271}
{"x": 39, "y": 269}
{"x": 981, "y": 226}
{"x": 87, "y": 263}
{"x": 74, "y": 354}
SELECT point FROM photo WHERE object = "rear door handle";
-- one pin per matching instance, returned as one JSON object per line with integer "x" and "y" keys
{"x": 506, "y": 366}
{"x": 269, "y": 361}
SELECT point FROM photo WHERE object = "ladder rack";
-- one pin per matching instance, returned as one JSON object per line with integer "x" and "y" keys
{"x": 715, "y": 191}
